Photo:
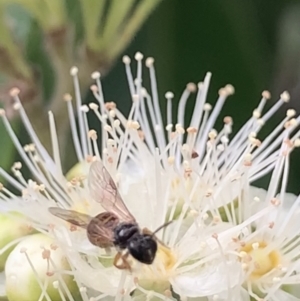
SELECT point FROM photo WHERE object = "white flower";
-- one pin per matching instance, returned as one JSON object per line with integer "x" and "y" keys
{"x": 182, "y": 171}
{"x": 269, "y": 247}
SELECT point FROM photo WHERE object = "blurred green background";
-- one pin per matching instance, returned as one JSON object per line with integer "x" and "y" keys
{"x": 253, "y": 44}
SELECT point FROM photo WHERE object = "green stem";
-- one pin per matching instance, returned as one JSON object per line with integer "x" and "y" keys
{"x": 92, "y": 11}
{"x": 118, "y": 12}
{"x": 59, "y": 50}
{"x": 142, "y": 11}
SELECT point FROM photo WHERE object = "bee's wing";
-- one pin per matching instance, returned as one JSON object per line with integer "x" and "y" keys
{"x": 76, "y": 218}
{"x": 104, "y": 191}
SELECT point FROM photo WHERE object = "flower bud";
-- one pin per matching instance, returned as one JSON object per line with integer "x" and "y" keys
{"x": 36, "y": 261}
{"x": 78, "y": 170}
{"x": 10, "y": 230}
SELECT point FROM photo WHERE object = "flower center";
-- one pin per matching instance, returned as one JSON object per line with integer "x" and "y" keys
{"x": 155, "y": 276}
{"x": 258, "y": 257}
{"x": 165, "y": 257}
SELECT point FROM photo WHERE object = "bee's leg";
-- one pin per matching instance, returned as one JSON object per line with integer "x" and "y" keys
{"x": 149, "y": 232}
{"x": 107, "y": 251}
{"x": 121, "y": 262}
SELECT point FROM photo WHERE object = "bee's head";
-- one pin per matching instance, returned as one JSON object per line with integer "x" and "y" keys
{"x": 143, "y": 248}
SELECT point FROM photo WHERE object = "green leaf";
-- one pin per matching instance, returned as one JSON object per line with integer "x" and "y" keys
{"x": 22, "y": 20}
{"x": 12, "y": 60}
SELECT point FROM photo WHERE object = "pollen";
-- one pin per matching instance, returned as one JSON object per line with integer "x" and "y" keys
{"x": 166, "y": 256}
{"x": 262, "y": 260}
{"x": 161, "y": 269}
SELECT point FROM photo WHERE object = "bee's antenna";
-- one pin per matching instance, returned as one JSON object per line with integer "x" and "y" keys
{"x": 161, "y": 227}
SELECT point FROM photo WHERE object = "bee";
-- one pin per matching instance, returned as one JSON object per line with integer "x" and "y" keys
{"x": 116, "y": 227}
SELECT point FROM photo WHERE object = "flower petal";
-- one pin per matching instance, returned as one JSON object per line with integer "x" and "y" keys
{"x": 212, "y": 280}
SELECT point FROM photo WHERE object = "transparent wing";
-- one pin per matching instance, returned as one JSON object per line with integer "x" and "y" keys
{"x": 104, "y": 191}
{"x": 76, "y": 218}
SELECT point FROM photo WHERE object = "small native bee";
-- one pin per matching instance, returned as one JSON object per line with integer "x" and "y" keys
{"x": 115, "y": 227}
